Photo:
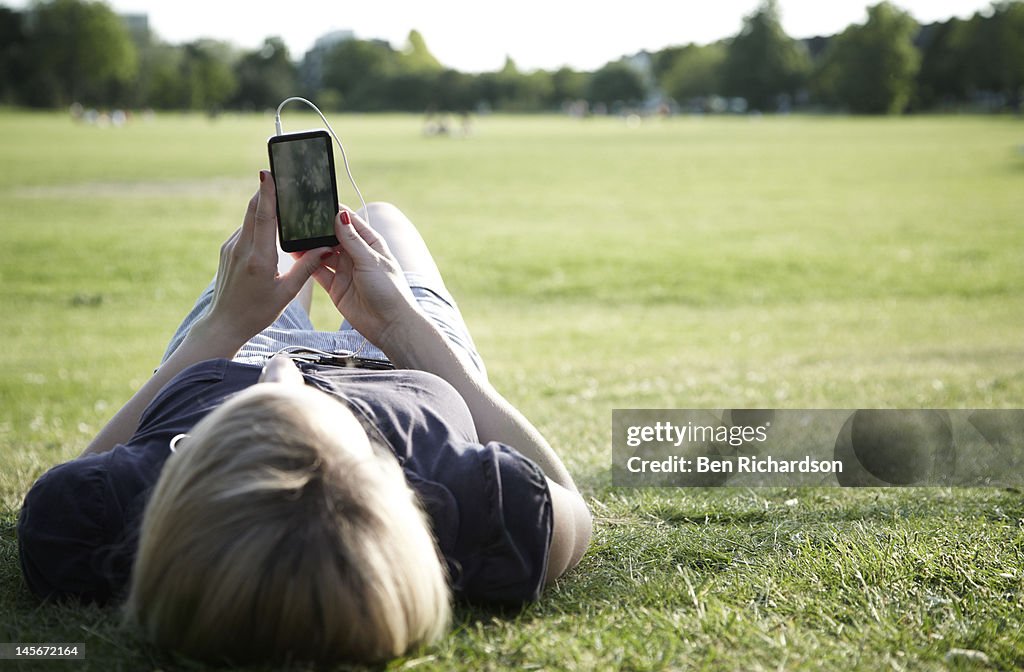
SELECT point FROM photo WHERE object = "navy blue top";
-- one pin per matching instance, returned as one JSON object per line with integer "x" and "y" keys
{"x": 489, "y": 506}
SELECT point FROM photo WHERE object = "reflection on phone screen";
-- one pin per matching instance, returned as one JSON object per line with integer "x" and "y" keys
{"x": 305, "y": 195}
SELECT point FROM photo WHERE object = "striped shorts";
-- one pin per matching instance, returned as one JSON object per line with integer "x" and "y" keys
{"x": 294, "y": 328}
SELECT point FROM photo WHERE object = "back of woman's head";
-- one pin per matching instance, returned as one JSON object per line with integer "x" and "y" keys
{"x": 275, "y": 532}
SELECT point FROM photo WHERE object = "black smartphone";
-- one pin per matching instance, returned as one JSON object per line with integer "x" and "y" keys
{"x": 307, "y": 193}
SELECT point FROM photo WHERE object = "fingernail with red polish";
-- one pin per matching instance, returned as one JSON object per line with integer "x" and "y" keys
{"x": 345, "y": 219}
{"x": 263, "y": 176}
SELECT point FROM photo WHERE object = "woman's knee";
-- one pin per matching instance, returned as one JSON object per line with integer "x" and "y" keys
{"x": 383, "y": 214}
{"x": 402, "y": 237}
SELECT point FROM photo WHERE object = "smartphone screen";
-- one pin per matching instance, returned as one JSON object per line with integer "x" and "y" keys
{"x": 307, "y": 194}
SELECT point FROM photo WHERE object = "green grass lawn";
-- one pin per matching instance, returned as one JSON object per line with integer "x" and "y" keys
{"x": 685, "y": 263}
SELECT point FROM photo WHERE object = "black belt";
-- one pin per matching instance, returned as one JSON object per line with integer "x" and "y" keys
{"x": 344, "y": 359}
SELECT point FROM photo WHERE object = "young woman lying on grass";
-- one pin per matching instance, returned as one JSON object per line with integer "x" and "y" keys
{"x": 252, "y": 506}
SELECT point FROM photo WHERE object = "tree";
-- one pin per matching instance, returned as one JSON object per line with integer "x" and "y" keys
{"x": 80, "y": 50}
{"x": 510, "y": 89}
{"x": 161, "y": 84}
{"x": 993, "y": 52}
{"x": 416, "y": 57}
{"x": 359, "y": 71}
{"x": 762, "y": 63}
{"x": 208, "y": 73}
{"x": 536, "y": 91}
{"x": 408, "y": 91}
{"x": 694, "y": 71}
{"x": 870, "y": 68}
{"x": 616, "y": 83}
{"x": 942, "y": 76}
{"x": 568, "y": 85}
{"x": 13, "y": 46}
{"x": 507, "y": 85}
{"x": 454, "y": 90}
{"x": 265, "y": 76}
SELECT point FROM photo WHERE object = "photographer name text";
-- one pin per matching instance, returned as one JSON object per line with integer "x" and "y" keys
{"x": 731, "y": 465}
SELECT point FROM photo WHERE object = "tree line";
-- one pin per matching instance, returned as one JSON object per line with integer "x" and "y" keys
{"x": 59, "y": 52}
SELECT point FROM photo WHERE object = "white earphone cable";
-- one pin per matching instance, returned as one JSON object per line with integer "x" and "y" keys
{"x": 344, "y": 159}
{"x": 341, "y": 147}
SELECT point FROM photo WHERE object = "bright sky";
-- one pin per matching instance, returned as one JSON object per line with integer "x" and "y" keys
{"x": 475, "y": 35}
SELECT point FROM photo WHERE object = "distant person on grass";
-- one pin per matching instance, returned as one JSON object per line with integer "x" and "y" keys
{"x": 251, "y": 508}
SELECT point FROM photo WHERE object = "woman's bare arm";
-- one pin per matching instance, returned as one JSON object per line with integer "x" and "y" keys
{"x": 202, "y": 343}
{"x": 249, "y": 295}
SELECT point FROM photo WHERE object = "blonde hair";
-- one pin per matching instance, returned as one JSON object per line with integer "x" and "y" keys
{"x": 267, "y": 538}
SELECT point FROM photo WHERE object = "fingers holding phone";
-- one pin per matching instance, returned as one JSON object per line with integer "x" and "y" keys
{"x": 250, "y": 293}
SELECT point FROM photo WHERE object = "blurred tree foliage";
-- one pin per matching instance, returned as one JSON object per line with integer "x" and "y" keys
{"x": 992, "y": 48}
{"x": 265, "y": 77}
{"x": 871, "y": 68}
{"x": 416, "y": 57}
{"x": 692, "y": 71}
{"x": 616, "y": 82}
{"x": 13, "y": 55}
{"x": 942, "y": 76}
{"x": 60, "y": 51}
{"x": 206, "y": 67}
{"x": 762, "y": 63}
{"x": 75, "y": 50}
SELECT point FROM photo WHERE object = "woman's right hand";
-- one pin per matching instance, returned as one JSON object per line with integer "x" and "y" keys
{"x": 249, "y": 293}
{"x": 364, "y": 280}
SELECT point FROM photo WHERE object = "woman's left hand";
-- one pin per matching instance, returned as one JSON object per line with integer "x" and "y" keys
{"x": 250, "y": 293}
